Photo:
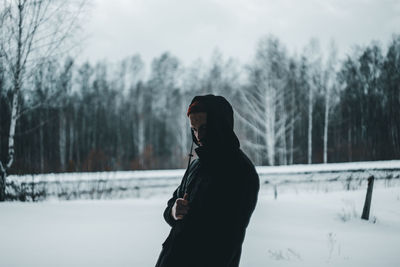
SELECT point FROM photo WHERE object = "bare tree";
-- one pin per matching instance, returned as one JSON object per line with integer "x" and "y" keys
{"x": 263, "y": 111}
{"x": 31, "y": 30}
{"x": 292, "y": 109}
{"x": 64, "y": 87}
{"x": 329, "y": 84}
{"x": 134, "y": 79}
{"x": 313, "y": 58}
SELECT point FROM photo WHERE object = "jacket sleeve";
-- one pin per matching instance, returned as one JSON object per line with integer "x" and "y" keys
{"x": 167, "y": 212}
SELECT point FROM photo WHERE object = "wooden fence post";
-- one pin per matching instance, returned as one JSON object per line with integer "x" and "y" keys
{"x": 33, "y": 189}
{"x": 367, "y": 204}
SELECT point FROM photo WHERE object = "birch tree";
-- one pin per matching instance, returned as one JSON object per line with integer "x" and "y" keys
{"x": 313, "y": 58}
{"x": 292, "y": 108}
{"x": 64, "y": 87}
{"x": 31, "y": 30}
{"x": 263, "y": 110}
{"x": 329, "y": 84}
{"x": 134, "y": 79}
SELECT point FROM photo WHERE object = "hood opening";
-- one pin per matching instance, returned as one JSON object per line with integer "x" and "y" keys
{"x": 220, "y": 134}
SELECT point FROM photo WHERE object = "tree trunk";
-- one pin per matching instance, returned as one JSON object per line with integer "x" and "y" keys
{"x": 41, "y": 147}
{"x": 141, "y": 139}
{"x": 62, "y": 141}
{"x": 270, "y": 114}
{"x": 284, "y": 144}
{"x": 11, "y": 150}
{"x": 349, "y": 152}
{"x": 291, "y": 130}
{"x": 71, "y": 140}
{"x": 310, "y": 100}
{"x": 3, "y": 175}
{"x": 13, "y": 123}
{"x": 326, "y": 125}
{"x": 183, "y": 132}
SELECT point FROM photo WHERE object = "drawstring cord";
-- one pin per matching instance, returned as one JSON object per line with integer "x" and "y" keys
{"x": 187, "y": 168}
{"x": 190, "y": 155}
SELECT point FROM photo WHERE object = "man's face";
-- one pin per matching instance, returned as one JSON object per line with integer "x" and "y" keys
{"x": 198, "y": 122}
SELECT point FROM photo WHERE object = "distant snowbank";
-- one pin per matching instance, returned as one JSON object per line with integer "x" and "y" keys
{"x": 88, "y": 176}
{"x": 177, "y": 173}
{"x": 331, "y": 167}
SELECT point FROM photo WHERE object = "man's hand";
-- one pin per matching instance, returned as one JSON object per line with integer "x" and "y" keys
{"x": 180, "y": 208}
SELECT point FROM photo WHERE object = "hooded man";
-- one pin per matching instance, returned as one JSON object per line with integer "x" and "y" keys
{"x": 211, "y": 208}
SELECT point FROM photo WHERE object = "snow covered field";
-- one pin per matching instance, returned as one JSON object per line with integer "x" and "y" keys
{"x": 299, "y": 228}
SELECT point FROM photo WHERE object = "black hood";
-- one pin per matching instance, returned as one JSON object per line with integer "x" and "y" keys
{"x": 220, "y": 134}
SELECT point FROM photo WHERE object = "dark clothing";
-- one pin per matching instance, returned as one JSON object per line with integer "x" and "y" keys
{"x": 222, "y": 187}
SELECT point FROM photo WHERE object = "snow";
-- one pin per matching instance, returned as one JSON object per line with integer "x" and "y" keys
{"x": 299, "y": 228}
{"x": 318, "y": 229}
{"x": 81, "y": 233}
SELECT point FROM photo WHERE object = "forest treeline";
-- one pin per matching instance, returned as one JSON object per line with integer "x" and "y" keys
{"x": 310, "y": 107}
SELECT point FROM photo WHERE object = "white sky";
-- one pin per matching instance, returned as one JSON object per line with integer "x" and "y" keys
{"x": 192, "y": 29}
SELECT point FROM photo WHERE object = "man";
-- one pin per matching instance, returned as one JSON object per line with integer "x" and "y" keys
{"x": 211, "y": 208}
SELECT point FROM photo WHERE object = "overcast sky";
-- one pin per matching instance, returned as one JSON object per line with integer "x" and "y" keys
{"x": 192, "y": 29}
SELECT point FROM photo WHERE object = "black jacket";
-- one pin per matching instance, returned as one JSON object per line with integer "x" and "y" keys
{"x": 222, "y": 186}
